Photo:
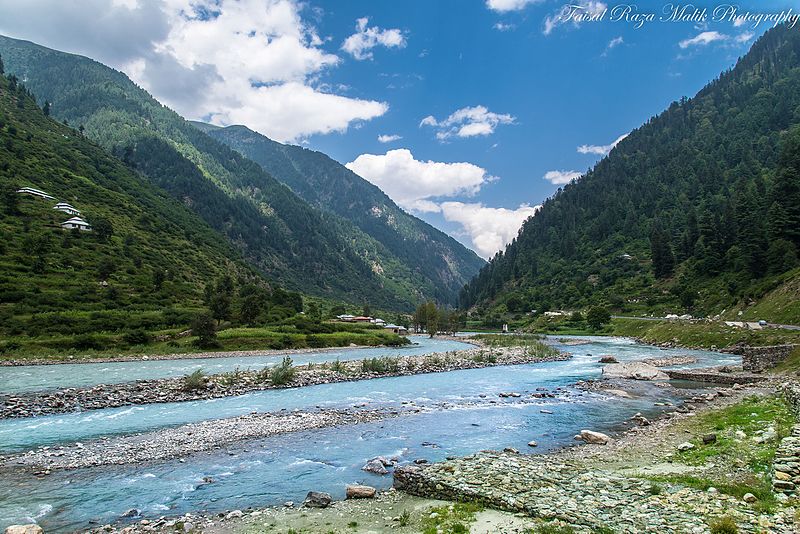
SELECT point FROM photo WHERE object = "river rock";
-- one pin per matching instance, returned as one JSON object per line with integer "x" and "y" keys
{"x": 634, "y": 370}
{"x": 708, "y": 439}
{"x": 607, "y": 358}
{"x": 595, "y": 438}
{"x": 24, "y": 529}
{"x": 317, "y": 499}
{"x": 532, "y": 443}
{"x": 357, "y": 491}
{"x": 375, "y": 466}
{"x": 685, "y": 446}
{"x": 749, "y": 497}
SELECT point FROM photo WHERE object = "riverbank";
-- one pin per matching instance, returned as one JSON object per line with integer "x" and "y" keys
{"x": 200, "y": 387}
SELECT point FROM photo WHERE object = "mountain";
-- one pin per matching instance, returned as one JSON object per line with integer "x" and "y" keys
{"x": 697, "y": 210}
{"x": 146, "y": 261}
{"x": 285, "y": 238}
{"x": 438, "y": 261}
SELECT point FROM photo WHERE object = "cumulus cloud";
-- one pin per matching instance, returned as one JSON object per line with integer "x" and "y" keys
{"x": 467, "y": 122}
{"x": 561, "y": 177}
{"x": 703, "y": 39}
{"x": 253, "y": 62}
{"x": 413, "y": 184}
{"x": 360, "y": 44}
{"x": 489, "y": 229}
{"x": 572, "y": 13}
{"x": 600, "y": 150}
{"x": 503, "y": 6}
{"x": 744, "y": 37}
{"x": 385, "y": 138}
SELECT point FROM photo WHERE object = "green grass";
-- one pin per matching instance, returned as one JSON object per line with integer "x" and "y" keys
{"x": 530, "y": 342}
{"x": 700, "y": 334}
{"x": 453, "y": 519}
{"x": 790, "y": 364}
{"x": 741, "y": 465}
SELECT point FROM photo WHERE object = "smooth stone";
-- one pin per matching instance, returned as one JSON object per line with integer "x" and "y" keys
{"x": 595, "y": 438}
{"x": 317, "y": 499}
{"x": 357, "y": 491}
{"x": 685, "y": 446}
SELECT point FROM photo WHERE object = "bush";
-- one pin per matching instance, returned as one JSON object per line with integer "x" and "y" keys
{"x": 597, "y": 316}
{"x": 338, "y": 367}
{"x": 136, "y": 337}
{"x": 204, "y": 328}
{"x": 380, "y": 365}
{"x": 88, "y": 342}
{"x": 723, "y": 525}
{"x": 282, "y": 374}
{"x": 195, "y": 381}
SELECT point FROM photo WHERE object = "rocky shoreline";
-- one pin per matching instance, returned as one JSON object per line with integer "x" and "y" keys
{"x": 241, "y": 382}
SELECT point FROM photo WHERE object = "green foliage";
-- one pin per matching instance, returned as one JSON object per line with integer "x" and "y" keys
{"x": 205, "y": 330}
{"x": 137, "y": 337}
{"x": 283, "y": 373}
{"x": 597, "y": 316}
{"x": 195, "y": 381}
{"x": 724, "y": 525}
{"x": 385, "y": 364}
{"x": 704, "y": 196}
{"x": 452, "y": 519}
{"x": 404, "y": 518}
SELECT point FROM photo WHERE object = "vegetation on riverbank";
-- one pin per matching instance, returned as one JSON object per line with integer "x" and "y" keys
{"x": 739, "y": 460}
{"x": 532, "y": 343}
{"x": 703, "y": 334}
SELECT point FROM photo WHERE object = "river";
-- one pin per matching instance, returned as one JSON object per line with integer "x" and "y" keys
{"x": 274, "y": 470}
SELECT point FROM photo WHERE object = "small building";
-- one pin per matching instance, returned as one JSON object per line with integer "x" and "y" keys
{"x": 361, "y": 319}
{"x": 66, "y": 208}
{"x": 397, "y": 329}
{"x": 379, "y": 322}
{"x": 35, "y": 193}
{"x": 346, "y": 317}
{"x": 76, "y": 223}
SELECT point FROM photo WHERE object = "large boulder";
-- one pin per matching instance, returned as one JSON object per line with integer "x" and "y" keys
{"x": 375, "y": 466}
{"x": 357, "y": 491}
{"x": 595, "y": 438}
{"x": 24, "y": 529}
{"x": 317, "y": 499}
{"x": 634, "y": 371}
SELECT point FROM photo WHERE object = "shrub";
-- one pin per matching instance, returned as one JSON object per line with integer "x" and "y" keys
{"x": 380, "y": 365}
{"x": 136, "y": 337}
{"x": 88, "y": 342}
{"x": 338, "y": 367}
{"x": 282, "y": 374}
{"x": 724, "y": 525}
{"x": 405, "y": 518}
{"x": 204, "y": 328}
{"x": 195, "y": 381}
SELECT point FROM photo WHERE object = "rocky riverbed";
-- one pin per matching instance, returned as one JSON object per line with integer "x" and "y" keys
{"x": 241, "y": 382}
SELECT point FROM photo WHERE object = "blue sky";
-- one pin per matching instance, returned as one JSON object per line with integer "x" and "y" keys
{"x": 318, "y": 74}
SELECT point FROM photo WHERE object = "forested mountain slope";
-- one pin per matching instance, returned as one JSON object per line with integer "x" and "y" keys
{"x": 436, "y": 261}
{"x": 698, "y": 209}
{"x": 280, "y": 234}
{"x": 146, "y": 252}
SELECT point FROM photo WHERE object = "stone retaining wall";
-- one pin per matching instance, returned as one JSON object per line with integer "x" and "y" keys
{"x": 786, "y": 466}
{"x": 759, "y": 359}
{"x": 714, "y": 376}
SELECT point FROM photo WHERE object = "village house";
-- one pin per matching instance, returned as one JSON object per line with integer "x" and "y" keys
{"x": 378, "y": 322}
{"x": 76, "y": 223}
{"x": 66, "y": 208}
{"x": 35, "y": 193}
{"x": 346, "y": 318}
{"x": 362, "y": 319}
{"x": 397, "y": 329}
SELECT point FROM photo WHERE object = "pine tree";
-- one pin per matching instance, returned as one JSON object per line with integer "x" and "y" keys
{"x": 661, "y": 252}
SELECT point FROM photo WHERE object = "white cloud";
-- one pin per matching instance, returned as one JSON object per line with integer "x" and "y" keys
{"x": 489, "y": 229}
{"x": 503, "y": 27}
{"x": 467, "y": 122}
{"x": 561, "y": 177}
{"x": 385, "y": 138}
{"x": 703, "y": 39}
{"x": 600, "y": 150}
{"x": 503, "y": 6}
{"x": 573, "y": 12}
{"x": 252, "y": 62}
{"x": 744, "y": 37}
{"x": 360, "y": 44}
{"x": 413, "y": 183}
{"x": 612, "y": 44}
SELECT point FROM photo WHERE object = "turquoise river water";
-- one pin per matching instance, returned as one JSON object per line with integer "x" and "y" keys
{"x": 274, "y": 470}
